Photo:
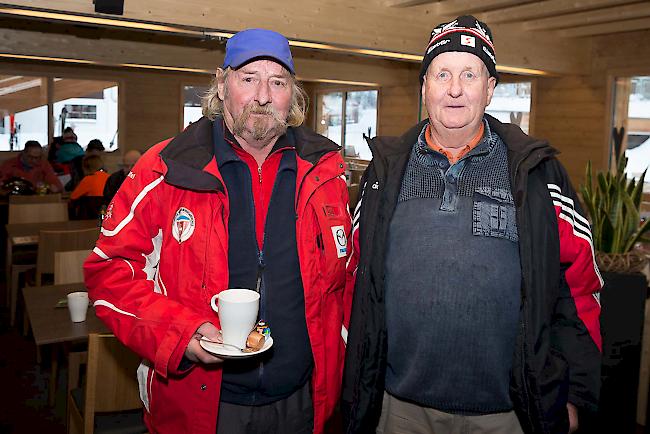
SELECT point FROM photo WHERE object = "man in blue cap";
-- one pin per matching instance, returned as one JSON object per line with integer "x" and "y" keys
{"x": 243, "y": 198}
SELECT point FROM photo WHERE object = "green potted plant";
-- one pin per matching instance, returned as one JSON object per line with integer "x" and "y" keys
{"x": 613, "y": 202}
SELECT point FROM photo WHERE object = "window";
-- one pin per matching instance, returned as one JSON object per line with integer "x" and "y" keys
{"x": 192, "y": 111}
{"x": 511, "y": 103}
{"x": 345, "y": 117}
{"x": 24, "y": 116}
{"x": 75, "y": 111}
{"x": 90, "y": 108}
{"x": 631, "y": 102}
{"x": 638, "y": 129}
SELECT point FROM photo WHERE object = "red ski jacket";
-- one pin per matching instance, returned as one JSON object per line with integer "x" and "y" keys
{"x": 163, "y": 253}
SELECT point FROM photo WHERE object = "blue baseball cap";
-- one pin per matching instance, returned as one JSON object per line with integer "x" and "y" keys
{"x": 255, "y": 43}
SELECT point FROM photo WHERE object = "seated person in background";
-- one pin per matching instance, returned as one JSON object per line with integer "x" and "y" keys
{"x": 70, "y": 156}
{"x": 51, "y": 155}
{"x": 86, "y": 199}
{"x": 95, "y": 147}
{"x": 116, "y": 179}
{"x": 30, "y": 165}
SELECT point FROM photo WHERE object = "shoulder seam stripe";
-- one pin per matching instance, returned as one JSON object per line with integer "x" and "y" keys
{"x": 134, "y": 205}
{"x": 569, "y": 202}
{"x": 588, "y": 239}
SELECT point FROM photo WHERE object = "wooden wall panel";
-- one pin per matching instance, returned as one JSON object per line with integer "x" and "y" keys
{"x": 573, "y": 112}
{"x": 570, "y": 114}
{"x": 398, "y": 107}
{"x": 152, "y": 109}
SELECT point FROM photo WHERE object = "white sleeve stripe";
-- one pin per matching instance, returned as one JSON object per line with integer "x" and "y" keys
{"x": 131, "y": 267}
{"x": 571, "y": 214}
{"x": 134, "y": 205}
{"x": 588, "y": 239}
{"x": 344, "y": 334}
{"x": 570, "y": 203}
{"x": 100, "y": 253}
{"x": 113, "y": 307}
{"x": 554, "y": 187}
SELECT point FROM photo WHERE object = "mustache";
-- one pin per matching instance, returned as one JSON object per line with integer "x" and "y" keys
{"x": 260, "y": 130}
{"x": 268, "y": 109}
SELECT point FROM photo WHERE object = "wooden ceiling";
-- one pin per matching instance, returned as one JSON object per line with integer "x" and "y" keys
{"x": 554, "y": 36}
{"x": 563, "y": 17}
{"x": 20, "y": 93}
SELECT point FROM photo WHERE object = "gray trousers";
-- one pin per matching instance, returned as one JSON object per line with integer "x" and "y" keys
{"x": 401, "y": 417}
{"x": 294, "y": 415}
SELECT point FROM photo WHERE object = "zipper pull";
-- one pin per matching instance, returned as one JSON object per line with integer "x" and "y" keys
{"x": 260, "y": 271}
{"x": 259, "y": 173}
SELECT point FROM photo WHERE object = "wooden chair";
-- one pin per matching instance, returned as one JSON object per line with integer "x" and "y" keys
{"x": 38, "y": 212}
{"x": 50, "y": 242}
{"x": 22, "y": 210}
{"x": 110, "y": 400}
{"x": 353, "y": 194}
{"x": 68, "y": 266}
{"x": 46, "y": 198}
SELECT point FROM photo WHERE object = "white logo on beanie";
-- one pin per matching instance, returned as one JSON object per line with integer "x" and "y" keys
{"x": 483, "y": 31}
{"x": 468, "y": 41}
{"x": 441, "y": 29}
{"x": 489, "y": 54}
{"x": 438, "y": 44}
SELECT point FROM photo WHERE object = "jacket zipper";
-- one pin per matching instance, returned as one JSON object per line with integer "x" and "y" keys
{"x": 526, "y": 392}
{"x": 259, "y": 285}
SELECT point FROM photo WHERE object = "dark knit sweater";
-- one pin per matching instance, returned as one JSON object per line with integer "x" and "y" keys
{"x": 453, "y": 281}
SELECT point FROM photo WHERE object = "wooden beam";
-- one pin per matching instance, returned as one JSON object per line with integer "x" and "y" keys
{"x": 465, "y": 7}
{"x": 580, "y": 19}
{"x": 546, "y": 8}
{"x": 606, "y": 28}
{"x": 360, "y": 24}
{"x": 67, "y": 88}
{"x": 407, "y": 3}
{"x": 115, "y": 53}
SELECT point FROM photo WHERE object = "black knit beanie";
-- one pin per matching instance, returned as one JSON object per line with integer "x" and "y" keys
{"x": 465, "y": 33}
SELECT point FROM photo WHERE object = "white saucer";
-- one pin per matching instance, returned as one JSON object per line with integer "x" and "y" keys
{"x": 228, "y": 352}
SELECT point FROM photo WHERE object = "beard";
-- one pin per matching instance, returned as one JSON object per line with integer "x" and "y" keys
{"x": 268, "y": 126}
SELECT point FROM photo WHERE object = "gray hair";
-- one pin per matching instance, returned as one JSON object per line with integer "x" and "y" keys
{"x": 212, "y": 105}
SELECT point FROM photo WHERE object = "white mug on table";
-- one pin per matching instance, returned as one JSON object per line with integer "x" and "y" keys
{"x": 237, "y": 309}
{"x": 78, "y": 306}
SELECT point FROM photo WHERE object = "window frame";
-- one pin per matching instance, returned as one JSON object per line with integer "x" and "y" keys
{"x": 344, "y": 90}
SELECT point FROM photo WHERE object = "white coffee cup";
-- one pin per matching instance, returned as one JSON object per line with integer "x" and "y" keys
{"x": 237, "y": 309}
{"x": 78, "y": 306}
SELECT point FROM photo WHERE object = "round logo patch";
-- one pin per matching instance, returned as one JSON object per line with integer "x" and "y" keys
{"x": 183, "y": 225}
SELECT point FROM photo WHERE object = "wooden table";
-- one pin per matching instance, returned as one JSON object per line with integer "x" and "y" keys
{"x": 52, "y": 325}
{"x": 25, "y": 234}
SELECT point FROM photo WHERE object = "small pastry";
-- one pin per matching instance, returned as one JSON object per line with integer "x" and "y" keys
{"x": 255, "y": 341}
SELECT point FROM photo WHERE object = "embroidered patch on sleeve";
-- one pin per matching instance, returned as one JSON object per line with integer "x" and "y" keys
{"x": 340, "y": 241}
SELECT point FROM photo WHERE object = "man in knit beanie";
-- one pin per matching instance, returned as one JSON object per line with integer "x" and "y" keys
{"x": 476, "y": 304}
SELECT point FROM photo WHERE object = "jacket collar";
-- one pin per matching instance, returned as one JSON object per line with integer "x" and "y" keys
{"x": 187, "y": 155}
{"x": 520, "y": 145}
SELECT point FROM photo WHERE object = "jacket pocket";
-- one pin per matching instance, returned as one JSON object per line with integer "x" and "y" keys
{"x": 332, "y": 229}
{"x": 493, "y": 214}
